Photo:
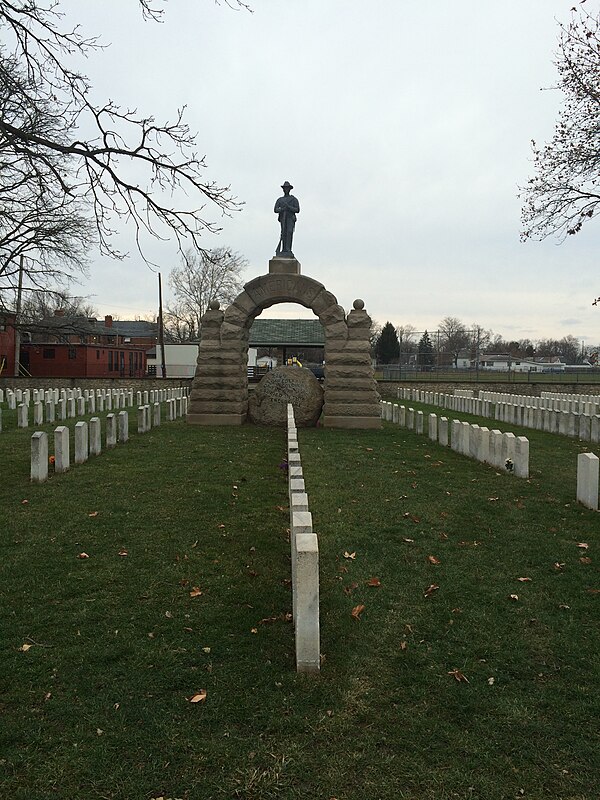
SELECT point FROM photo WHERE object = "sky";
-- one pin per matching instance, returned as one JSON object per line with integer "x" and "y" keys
{"x": 405, "y": 129}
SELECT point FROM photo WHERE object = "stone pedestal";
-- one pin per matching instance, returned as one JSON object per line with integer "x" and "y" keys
{"x": 284, "y": 266}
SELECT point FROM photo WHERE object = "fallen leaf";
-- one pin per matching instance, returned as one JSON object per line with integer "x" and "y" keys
{"x": 343, "y": 568}
{"x": 24, "y": 502}
{"x": 357, "y": 611}
{"x": 431, "y": 589}
{"x": 457, "y": 610}
{"x": 443, "y": 536}
{"x": 206, "y": 649}
{"x": 514, "y": 596}
{"x": 492, "y": 499}
{"x": 403, "y": 645}
{"x": 253, "y": 630}
{"x": 221, "y": 525}
{"x": 408, "y": 540}
{"x": 349, "y": 589}
{"x": 83, "y": 555}
{"x": 524, "y": 580}
{"x": 564, "y": 605}
{"x": 196, "y": 591}
{"x": 458, "y": 675}
{"x": 349, "y": 555}
{"x": 94, "y": 514}
{"x": 123, "y": 552}
{"x": 281, "y": 508}
{"x": 433, "y": 560}
{"x": 558, "y": 565}
{"x": 583, "y": 545}
{"x": 48, "y": 695}
{"x": 585, "y": 560}
{"x": 369, "y": 449}
{"x": 491, "y": 681}
{"x": 25, "y": 647}
{"x": 168, "y": 615}
{"x": 593, "y": 591}
{"x": 199, "y": 698}
{"x": 373, "y": 582}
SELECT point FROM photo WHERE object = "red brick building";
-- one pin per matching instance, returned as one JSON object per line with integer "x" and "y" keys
{"x": 7, "y": 342}
{"x": 79, "y": 347}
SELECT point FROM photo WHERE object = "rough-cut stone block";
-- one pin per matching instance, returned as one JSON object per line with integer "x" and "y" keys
{"x": 283, "y": 385}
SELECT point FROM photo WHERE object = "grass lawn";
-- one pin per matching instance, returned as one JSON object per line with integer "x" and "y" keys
{"x": 98, "y": 705}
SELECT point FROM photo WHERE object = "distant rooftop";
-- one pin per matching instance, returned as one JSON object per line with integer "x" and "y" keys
{"x": 286, "y": 332}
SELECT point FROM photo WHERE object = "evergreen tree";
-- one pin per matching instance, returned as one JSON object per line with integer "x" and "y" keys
{"x": 387, "y": 348}
{"x": 426, "y": 357}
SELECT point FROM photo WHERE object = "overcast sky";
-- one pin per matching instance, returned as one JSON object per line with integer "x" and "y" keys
{"x": 405, "y": 129}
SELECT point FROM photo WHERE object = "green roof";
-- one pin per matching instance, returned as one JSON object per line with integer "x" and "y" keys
{"x": 279, "y": 332}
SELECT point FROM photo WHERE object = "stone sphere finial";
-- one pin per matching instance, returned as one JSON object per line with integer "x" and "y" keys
{"x": 214, "y": 305}
{"x": 359, "y": 304}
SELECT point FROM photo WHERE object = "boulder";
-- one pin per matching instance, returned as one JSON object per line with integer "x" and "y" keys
{"x": 267, "y": 404}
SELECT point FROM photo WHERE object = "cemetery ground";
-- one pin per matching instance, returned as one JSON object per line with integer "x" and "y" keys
{"x": 459, "y": 621}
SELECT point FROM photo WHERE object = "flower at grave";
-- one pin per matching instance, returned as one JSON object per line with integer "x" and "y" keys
{"x": 283, "y": 466}
{"x": 51, "y": 460}
{"x": 508, "y": 465}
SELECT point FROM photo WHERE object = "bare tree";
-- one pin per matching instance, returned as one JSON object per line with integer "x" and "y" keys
{"x": 406, "y": 339}
{"x": 563, "y": 194}
{"x": 37, "y": 219}
{"x": 454, "y": 337}
{"x": 129, "y": 169}
{"x": 213, "y": 275}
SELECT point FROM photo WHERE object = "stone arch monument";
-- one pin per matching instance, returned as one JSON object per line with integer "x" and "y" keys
{"x": 220, "y": 389}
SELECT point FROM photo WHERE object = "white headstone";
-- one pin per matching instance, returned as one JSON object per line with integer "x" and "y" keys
{"x": 95, "y": 434}
{"x": 39, "y": 456}
{"x": 123, "y": 426}
{"x": 306, "y": 592}
{"x": 111, "y": 430}
{"x": 587, "y": 480}
{"x": 62, "y": 456}
{"x": 81, "y": 442}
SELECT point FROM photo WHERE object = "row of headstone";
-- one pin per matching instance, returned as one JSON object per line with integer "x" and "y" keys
{"x": 87, "y": 442}
{"x": 526, "y": 412}
{"x": 48, "y": 408}
{"x": 305, "y": 559}
{"x": 500, "y": 450}
{"x": 87, "y": 436}
{"x": 117, "y": 398}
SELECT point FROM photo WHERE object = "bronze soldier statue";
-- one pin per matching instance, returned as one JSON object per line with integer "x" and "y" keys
{"x": 286, "y": 207}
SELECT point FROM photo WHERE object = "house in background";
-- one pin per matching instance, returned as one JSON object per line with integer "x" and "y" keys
{"x": 271, "y": 342}
{"x": 504, "y": 362}
{"x": 7, "y": 341}
{"x": 80, "y": 347}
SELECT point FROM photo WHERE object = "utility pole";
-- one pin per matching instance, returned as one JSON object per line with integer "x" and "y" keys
{"x": 18, "y": 316}
{"x": 161, "y": 330}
